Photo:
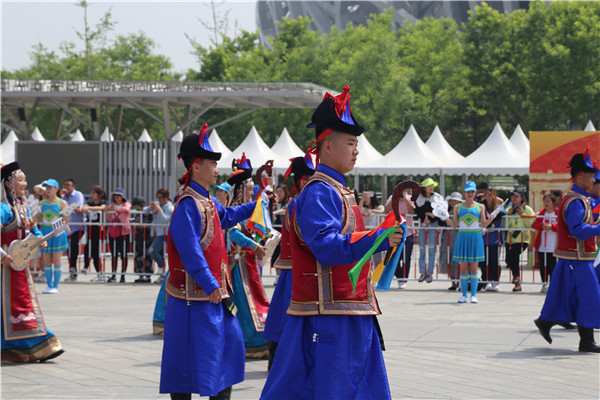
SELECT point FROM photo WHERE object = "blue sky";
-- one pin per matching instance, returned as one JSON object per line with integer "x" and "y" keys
{"x": 50, "y": 22}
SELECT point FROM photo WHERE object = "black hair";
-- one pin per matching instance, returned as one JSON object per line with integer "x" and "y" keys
{"x": 138, "y": 201}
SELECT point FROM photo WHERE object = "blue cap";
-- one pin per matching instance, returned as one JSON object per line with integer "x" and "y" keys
{"x": 226, "y": 187}
{"x": 51, "y": 182}
{"x": 470, "y": 186}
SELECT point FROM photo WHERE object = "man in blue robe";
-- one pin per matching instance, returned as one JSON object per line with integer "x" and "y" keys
{"x": 330, "y": 347}
{"x": 203, "y": 348}
{"x": 574, "y": 292}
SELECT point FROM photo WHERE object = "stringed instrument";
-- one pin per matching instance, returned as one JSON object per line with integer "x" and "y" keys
{"x": 68, "y": 210}
{"x": 23, "y": 251}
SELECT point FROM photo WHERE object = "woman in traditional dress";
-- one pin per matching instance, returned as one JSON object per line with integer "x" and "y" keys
{"x": 25, "y": 337}
{"x": 248, "y": 292}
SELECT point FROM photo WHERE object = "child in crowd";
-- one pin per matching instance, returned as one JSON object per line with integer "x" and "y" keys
{"x": 545, "y": 243}
{"x": 51, "y": 255}
{"x": 469, "y": 218}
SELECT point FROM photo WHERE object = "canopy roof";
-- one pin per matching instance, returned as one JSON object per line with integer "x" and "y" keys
{"x": 107, "y": 136}
{"x": 590, "y": 127}
{"x": 496, "y": 156}
{"x": 256, "y": 151}
{"x": 286, "y": 147}
{"x": 8, "y": 147}
{"x": 37, "y": 135}
{"x": 442, "y": 148}
{"x": 145, "y": 137}
{"x": 217, "y": 144}
{"x": 177, "y": 137}
{"x": 77, "y": 137}
{"x": 410, "y": 156}
{"x": 367, "y": 154}
{"x": 520, "y": 141}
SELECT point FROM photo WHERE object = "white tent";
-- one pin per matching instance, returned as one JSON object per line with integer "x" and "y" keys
{"x": 496, "y": 156}
{"x": 590, "y": 127}
{"x": 8, "y": 147}
{"x": 410, "y": 156}
{"x": 257, "y": 151}
{"x": 178, "y": 137}
{"x": 285, "y": 146}
{"x": 37, "y": 135}
{"x": 520, "y": 141}
{"x": 217, "y": 144}
{"x": 145, "y": 137}
{"x": 107, "y": 136}
{"x": 77, "y": 137}
{"x": 367, "y": 154}
{"x": 442, "y": 148}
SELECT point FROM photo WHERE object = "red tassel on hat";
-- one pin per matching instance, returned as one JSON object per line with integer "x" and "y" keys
{"x": 201, "y": 134}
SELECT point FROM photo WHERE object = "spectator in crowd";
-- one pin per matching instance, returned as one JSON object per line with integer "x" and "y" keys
{"x": 447, "y": 240}
{"x": 222, "y": 193}
{"x": 545, "y": 242}
{"x": 482, "y": 187}
{"x": 162, "y": 210}
{"x": 429, "y": 223}
{"x": 492, "y": 240}
{"x": 94, "y": 207}
{"x": 119, "y": 230}
{"x": 39, "y": 193}
{"x": 283, "y": 198}
{"x": 73, "y": 196}
{"x": 369, "y": 208}
{"x": 142, "y": 240}
{"x": 557, "y": 196}
{"x": 521, "y": 217}
{"x": 51, "y": 255}
{"x": 406, "y": 208}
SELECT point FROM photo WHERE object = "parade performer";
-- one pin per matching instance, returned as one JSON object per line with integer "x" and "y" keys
{"x": 51, "y": 255}
{"x": 574, "y": 292}
{"x": 330, "y": 346}
{"x": 160, "y": 307}
{"x": 203, "y": 349}
{"x": 244, "y": 252}
{"x": 25, "y": 337}
{"x": 302, "y": 168}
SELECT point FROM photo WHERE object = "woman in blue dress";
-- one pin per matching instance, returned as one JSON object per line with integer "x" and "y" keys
{"x": 469, "y": 218}
{"x": 57, "y": 245}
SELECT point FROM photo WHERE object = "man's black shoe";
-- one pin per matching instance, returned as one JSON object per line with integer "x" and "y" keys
{"x": 587, "y": 342}
{"x": 544, "y": 328}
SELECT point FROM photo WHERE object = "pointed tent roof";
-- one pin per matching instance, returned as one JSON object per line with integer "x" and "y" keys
{"x": 496, "y": 156}
{"x": 217, "y": 144}
{"x": 520, "y": 141}
{"x": 286, "y": 147}
{"x": 438, "y": 144}
{"x": 257, "y": 151}
{"x": 178, "y": 137}
{"x": 590, "y": 127}
{"x": 37, "y": 135}
{"x": 8, "y": 147}
{"x": 367, "y": 154}
{"x": 77, "y": 137}
{"x": 410, "y": 156}
{"x": 107, "y": 136}
{"x": 145, "y": 137}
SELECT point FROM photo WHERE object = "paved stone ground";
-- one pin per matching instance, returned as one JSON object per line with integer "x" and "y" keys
{"x": 436, "y": 348}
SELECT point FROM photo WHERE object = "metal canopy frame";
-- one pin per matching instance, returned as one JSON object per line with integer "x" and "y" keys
{"x": 24, "y": 95}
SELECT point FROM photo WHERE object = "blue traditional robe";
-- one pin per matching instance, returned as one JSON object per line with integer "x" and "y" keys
{"x": 574, "y": 291}
{"x": 203, "y": 349}
{"x": 328, "y": 356}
